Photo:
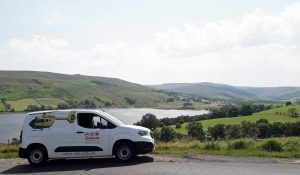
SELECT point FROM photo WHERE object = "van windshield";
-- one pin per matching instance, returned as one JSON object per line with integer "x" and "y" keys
{"x": 114, "y": 119}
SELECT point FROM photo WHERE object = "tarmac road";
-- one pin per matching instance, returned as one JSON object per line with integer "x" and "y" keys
{"x": 153, "y": 164}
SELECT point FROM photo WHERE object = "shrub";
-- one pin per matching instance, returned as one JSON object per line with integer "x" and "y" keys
{"x": 167, "y": 134}
{"x": 195, "y": 145}
{"x": 232, "y": 131}
{"x": 239, "y": 144}
{"x": 150, "y": 121}
{"x": 217, "y": 131}
{"x": 272, "y": 145}
{"x": 178, "y": 125}
{"x": 195, "y": 130}
{"x": 212, "y": 146}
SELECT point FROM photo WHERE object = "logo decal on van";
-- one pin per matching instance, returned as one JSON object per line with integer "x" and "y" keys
{"x": 91, "y": 137}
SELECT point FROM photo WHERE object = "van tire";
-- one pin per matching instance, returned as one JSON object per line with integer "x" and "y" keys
{"x": 37, "y": 155}
{"x": 125, "y": 152}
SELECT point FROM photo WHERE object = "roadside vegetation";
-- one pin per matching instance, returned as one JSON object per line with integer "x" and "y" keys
{"x": 268, "y": 133}
{"x": 287, "y": 147}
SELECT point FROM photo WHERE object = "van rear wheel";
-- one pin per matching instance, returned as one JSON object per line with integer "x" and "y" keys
{"x": 125, "y": 152}
{"x": 37, "y": 155}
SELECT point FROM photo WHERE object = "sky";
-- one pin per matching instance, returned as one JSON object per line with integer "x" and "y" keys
{"x": 242, "y": 43}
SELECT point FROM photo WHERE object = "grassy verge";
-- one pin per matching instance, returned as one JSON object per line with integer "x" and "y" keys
{"x": 8, "y": 151}
{"x": 290, "y": 148}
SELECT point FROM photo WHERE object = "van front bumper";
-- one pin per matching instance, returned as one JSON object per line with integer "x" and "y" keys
{"x": 144, "y": 147}
{"x": 22, "y": 153}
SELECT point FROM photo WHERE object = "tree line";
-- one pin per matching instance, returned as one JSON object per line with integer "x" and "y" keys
{"x": 150, "y": 121}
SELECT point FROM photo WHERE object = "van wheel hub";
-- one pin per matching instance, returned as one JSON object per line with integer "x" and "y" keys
{"x": 36, "y": 156}
{"x": 124, "y": 153}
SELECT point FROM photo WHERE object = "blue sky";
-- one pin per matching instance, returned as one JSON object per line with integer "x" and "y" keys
{"x": 236, "y": 42}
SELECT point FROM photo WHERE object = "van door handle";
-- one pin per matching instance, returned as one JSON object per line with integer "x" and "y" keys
{"x": 79, "y": 132}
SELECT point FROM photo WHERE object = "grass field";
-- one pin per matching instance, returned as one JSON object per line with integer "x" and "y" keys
{"x": 270, "y": 115}
{"x": 21, "y": 105}
{"x": 44, "y": 86}
{"x": 49, "y": 101}
{"x": 290, "y": 146}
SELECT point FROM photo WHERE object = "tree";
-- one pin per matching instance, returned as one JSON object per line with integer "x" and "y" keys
{"x": 43, "y": 107}
{"x": 62, "y": 106}
{"x": 217, "y": 131}
{"x": 292, "y": 112}
{"x": 150, "y": 121}
{"x": 195, "y": 130}
{"x": 246, "y": 110}
{"x": 288, "y": 103}
{"x": 31, "y": 108}
{"x": 167, "y": 134}
{"x": 249, "y": 129}
{"x": 178, "y": 125}
{"x": 265, "y": 130}
{"x": 278, "y": 129}
{"x": 232, "y": 131}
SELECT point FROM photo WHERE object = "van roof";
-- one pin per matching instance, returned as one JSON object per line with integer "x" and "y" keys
{"x": 66, "y": 111}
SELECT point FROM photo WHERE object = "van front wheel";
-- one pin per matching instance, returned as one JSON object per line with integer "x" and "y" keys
{"x": 125, "y": 152}
{"x": 37, "y": 156}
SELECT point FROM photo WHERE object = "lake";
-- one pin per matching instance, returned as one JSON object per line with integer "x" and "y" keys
{"x": 11, "y": 124}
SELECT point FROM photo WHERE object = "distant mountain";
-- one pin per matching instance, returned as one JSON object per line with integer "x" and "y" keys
{"x": 232, "y": 93}
{"x": 51, "y": 88}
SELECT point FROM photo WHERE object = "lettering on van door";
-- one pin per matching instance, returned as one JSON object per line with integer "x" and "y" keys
{"x": 92, "y": 137}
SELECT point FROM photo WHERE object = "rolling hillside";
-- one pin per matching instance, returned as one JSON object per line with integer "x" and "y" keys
{"x": 232, "y": 93}
{"x": 21, "y": 88}
{"x": 272, "y": 115}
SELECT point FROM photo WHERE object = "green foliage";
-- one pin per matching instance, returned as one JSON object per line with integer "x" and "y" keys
{"x": 288, "y": 103}
{"x": 272, "y": 145}
{"x": 167, "y": 134}
{"x": 292, "y": 112}
{"x": 217, "y": 131}
{"x": 249, "y": 129}
{"x": 195, "y": 130}
{"x": 18, "y": 85}
{"x": 238, "y": 144}
{"x": 233, "y": 131}
{"x": 149, "y": 121}
{"x": 178, "y": 125}
{"x": 212, "y": 146}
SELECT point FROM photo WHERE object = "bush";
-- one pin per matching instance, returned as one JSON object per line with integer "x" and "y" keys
{"x": 195, "y": 130}
{"x": 149, "y": 121}
{"x": 272, "y": 145}
{"x": 232, "y": 131}
{"x": 239, "y": 144}
{"x": 178, "y": 125}
{"x": 167, "y": 134}
{"x": 217, "y": 131}
{"x": 212, "y": 146}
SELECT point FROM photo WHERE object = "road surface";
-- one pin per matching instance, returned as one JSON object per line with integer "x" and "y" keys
{"x": 153, "y": 164}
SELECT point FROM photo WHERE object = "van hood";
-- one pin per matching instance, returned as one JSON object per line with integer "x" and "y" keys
{"x": 136, "y": 127}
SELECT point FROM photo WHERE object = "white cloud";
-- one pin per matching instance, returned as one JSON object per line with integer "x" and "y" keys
{"x": 258, "y": 49}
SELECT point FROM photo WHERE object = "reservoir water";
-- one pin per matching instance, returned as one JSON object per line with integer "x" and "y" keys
{"x": 11, "y": 124}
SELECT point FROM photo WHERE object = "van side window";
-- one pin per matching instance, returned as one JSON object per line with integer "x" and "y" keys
{"x": 90, "y": 120}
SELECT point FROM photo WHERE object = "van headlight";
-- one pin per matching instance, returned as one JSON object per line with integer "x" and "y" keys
{"x": 142, "y": 132}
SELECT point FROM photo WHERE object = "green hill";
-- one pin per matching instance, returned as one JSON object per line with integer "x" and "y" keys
{"x": 233, "y": 93}
{"x": 22, "y": 88}
{"x": 272, "y": 115}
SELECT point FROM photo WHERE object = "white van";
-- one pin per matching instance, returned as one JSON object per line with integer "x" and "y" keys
{"x": 80, "y": 134}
